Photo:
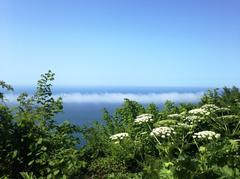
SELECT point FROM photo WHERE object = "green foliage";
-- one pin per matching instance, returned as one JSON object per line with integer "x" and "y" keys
{"x": 33, "y": 145}
{"x": 178, "y": 156}
{"x": 227, "y": 97}
{"x": 6, "y": 86}
{"x": 177, "y": 141}
{"x": 103, "y": 166}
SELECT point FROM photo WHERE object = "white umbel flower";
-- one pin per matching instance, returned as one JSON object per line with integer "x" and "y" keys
{"x": 210, "y": 107}
{"x": 119, "y": 136}
{"x": 210, "y": 135}
{"x": 144, "y": 118}
{"x": 163, "y": 132}
{"x": 206, "y": 109}
{"x": 193, "y": 119}
{"x": 198, "y": 111}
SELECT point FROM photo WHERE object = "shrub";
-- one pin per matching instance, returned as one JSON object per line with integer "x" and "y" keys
{"x": 31, "y": 141}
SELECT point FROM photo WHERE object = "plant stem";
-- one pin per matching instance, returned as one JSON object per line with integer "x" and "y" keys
{"x": 154, "y": 135}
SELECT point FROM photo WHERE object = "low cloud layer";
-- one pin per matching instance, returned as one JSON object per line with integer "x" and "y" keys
{"x": 119, "y": 97}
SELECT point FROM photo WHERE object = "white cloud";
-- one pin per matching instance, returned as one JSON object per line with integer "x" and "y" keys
{"x": 119, "y": 97}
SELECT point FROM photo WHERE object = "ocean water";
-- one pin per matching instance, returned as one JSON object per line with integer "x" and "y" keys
{"x": 83, "y": 105}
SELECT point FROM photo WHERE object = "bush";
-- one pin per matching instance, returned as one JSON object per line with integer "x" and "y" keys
{"x": 31, "y": 141}
{"x": 202, "y": 140}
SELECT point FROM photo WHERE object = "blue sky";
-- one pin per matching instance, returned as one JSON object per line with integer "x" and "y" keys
{"x": 121, "y": 43}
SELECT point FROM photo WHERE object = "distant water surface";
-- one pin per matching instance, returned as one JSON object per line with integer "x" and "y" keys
{"x": 82, "y": 105}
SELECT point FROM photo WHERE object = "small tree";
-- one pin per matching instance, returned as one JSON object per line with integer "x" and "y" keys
{"x": 33, "y": 143}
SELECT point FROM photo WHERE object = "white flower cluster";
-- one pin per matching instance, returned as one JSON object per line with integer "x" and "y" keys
{"x": 163, "y": 132}
{"x": 210, "y": 107}
{"x": 174, "y": 116}
{"x": 206, "y": 109}
{"x": 119, "y": 136}
{"x": 206, "y": 135}
{"x": 193, "y": 119}
{"x": 199, "y": 111}
{"x": 144, "y": 118}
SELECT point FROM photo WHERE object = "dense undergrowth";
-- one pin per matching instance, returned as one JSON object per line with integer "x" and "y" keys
{"x": 178, "y": 141}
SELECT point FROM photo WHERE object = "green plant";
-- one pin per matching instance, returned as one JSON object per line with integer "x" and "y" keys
{"x": 178, "y": 141}
{"x": 33, "y": 144}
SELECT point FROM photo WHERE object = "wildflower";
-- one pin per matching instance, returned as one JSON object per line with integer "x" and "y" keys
{"x": 217, "y": 136}
{"x": 210, "y": 107}
{"x": 197, "y": 111}
{"x": 210, "y": 135}
{"x": 193, "y": 119}
{"x": 144, "y": 118}
{"x": 206, "y": 109}
{"x": 163, "y": 132}
{"x": 119, "y": 136}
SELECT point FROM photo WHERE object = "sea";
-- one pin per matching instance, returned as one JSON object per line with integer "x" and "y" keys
{"x": 83, "y": 105}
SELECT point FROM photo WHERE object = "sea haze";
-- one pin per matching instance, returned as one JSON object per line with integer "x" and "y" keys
{"x": 82, "y": 105}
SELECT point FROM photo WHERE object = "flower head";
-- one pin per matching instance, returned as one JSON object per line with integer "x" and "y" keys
{"x": 198, "y": 111}
{"x": 144, "y": 118}
{"x": 119, "y": 136}
{"x": 206, "y": 109}
{"x": 193, "y": 119}
{"x": 163, "y": 132}
{"x": 209, "y": 135}
{"x": 210, "y": 107}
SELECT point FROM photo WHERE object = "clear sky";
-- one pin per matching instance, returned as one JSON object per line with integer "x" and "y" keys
{"x": 121, "y": 42}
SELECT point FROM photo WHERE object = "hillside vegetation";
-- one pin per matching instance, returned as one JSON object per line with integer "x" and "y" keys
{"x": 179, "y": 141}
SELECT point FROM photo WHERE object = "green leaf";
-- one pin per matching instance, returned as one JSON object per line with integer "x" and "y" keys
{"x": 56, "y": 172}
{"x": 61, "y": 161}
{"x": 39, "y": 140}
{"x": 30, "y": 163}
{"x": 43, "y": 148}
{"x": 49, "y": 176}
{"x": 15, "y": 154}
{"x": 51, "y": 163}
